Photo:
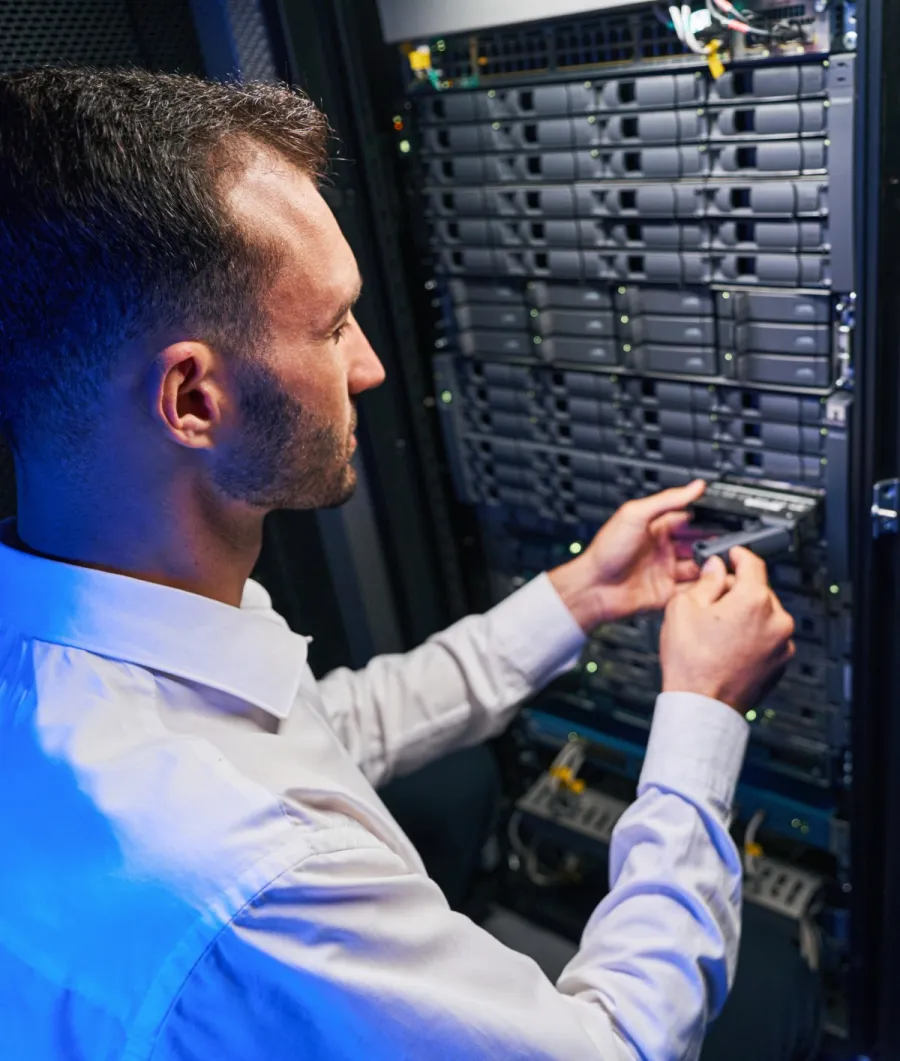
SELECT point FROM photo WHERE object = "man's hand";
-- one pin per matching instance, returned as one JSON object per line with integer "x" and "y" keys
{"x": 726, "y": 637}
{"x": 635, "y": 561}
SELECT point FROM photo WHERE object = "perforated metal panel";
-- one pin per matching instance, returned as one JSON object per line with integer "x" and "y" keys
{"x": 159, "y": 36}
{"x": 251, "y": 38}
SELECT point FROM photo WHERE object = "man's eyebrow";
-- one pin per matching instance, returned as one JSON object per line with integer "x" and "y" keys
{"x": 343, "y": 310}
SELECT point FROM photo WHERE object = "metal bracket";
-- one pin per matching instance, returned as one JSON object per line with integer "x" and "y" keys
{"x": 843, "y": 341}
{"x": 885, "y": 512}
{"x": 784, "y": 889}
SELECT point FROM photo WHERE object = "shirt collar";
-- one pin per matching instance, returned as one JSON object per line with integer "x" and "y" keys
{"x": 233, "y": 650}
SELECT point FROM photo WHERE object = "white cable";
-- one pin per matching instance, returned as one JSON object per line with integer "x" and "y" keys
{"x": 529, "y": 858}
{"x": 675, "y": 16}
{"x": 688, "y": 34}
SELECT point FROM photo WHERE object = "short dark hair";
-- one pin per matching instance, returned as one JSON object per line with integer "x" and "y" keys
{"x": 112, "y": 222}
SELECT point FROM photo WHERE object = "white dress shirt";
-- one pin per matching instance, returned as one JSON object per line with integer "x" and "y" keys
{"x": 194, "y": 863}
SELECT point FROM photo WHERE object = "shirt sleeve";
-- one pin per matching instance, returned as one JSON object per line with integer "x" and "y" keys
{"x": 349, "y": 954}
{"x": 457, "y": 689}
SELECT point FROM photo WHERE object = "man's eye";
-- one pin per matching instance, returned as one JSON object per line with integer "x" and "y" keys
{"x": 338, "y": 333}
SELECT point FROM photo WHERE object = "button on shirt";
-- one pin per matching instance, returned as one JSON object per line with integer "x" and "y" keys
{"x": 195, "y": 864}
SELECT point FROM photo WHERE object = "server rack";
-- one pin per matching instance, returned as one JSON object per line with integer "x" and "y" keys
{"x": 637, "y": 218}
{"x": 629, "y": 272}
{"x": 648, "y": 277}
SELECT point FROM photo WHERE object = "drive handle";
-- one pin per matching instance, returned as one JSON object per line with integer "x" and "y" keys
{"x": 764, "y": 541}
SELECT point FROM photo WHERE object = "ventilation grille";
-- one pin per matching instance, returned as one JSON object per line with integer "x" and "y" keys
{"x": 251, "y": 36}
{"x": 515, "y": 51}
{"x": 563, "y": 46}
{"x": 158, "y": 36}
{"x": 798, "y": 13}
{"x": 601, "y": 40}
{"x": 605, "y": 39}
{"x": 508, "y": 53}
{"x": 790, "y": 11}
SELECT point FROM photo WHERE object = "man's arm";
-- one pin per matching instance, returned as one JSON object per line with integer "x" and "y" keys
{"x": 464, "y": 684}
{"x": 349, "y": 955}
{"x": 459, "y": 688}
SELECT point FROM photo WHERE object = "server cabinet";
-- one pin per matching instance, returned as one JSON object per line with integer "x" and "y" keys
{"x": 627, "y": 272}
{"x": 599, "y": 271}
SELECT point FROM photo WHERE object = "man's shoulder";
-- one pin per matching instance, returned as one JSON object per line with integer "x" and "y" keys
{"x": 128, "y": 844}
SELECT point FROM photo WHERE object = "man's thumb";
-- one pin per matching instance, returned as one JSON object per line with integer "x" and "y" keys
{"x": 713, "y": 580}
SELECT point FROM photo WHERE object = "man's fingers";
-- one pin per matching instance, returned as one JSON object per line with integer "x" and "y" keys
{"x": 686, "y": 571}
{"x": 675, "y": 523}
{"x": 749, "y": 569}
{"x": 713, "y": 581}
{"x": 683, "y": 549}
{"x": 690, "y": 587}
{"x": 671, "y": 500}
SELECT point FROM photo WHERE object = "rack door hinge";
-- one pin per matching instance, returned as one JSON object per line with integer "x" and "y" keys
{"x": 885, "y": 514}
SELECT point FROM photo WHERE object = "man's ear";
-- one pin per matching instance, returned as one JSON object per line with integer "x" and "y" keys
{"x": 188, "y": 394}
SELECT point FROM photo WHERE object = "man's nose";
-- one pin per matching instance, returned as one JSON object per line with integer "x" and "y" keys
{"x": 366, "y": 370}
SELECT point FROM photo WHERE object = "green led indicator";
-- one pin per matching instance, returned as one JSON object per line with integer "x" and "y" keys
{"x": 622, "y": 290}
{"x": 834, "y": 589}
{"x": 446, "y": 397}
{"x": 537, "y": 340}
{"x": 591, "y": 667}
{"x": 627, "y": 348}
{"x": 770, "y": 713}
{"x": 575, "y": 548}
{"x": 729, "y": 357}
{"x": 534, "y": 313}
{"x": 796, "y": 823}
{"x": 405, "y": 147}
{"x": 751, "y": 716}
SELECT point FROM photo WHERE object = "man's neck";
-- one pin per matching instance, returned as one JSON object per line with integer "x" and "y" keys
{"x": 188, "y": 544}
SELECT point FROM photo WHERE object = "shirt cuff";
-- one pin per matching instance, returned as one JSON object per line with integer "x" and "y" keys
{"x": 696, "y": 748}
{"x": 537, "y": 632}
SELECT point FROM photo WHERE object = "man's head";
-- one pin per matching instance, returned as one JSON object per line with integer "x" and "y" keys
{"x": 172, "y": 282}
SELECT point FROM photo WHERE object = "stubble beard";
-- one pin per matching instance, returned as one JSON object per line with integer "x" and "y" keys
{"x": 289, "y": 458}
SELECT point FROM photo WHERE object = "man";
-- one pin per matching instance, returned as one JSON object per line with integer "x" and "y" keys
{"x": 195, "y": 864}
